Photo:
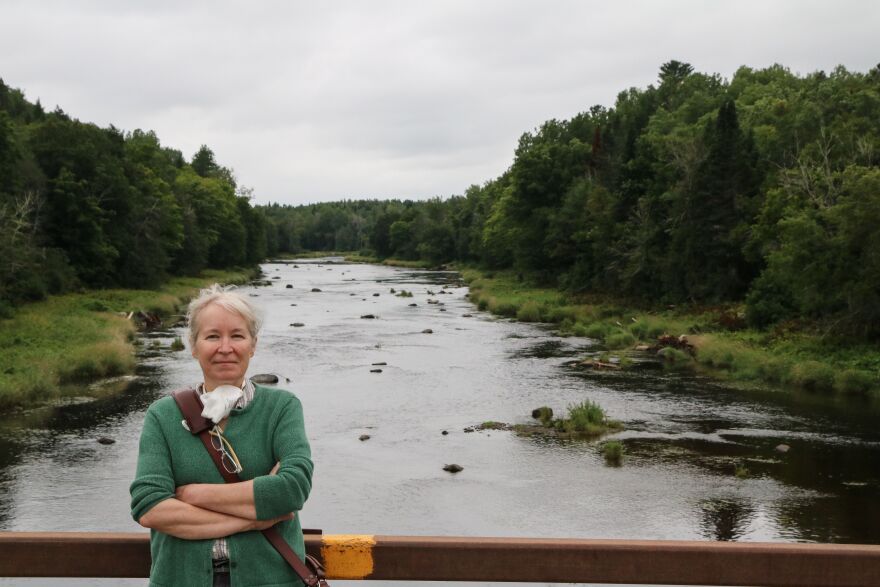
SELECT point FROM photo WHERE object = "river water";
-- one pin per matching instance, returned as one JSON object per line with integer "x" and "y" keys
{"x": 685, "y": 435}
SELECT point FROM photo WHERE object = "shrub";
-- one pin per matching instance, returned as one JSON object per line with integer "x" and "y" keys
{"x": 812, "y": 375}
{"x": 854, "y": 381}
{"x": 560, "y": 314}
{"x": 579, "y": 330}
{"x": 502, "y": 308}
{"x": 586, "y": 417}
{"x": 529, "y": 312}
{"x": 597, "y": 330}
{"x": 649, "y": 327}
{"x": 177, "y": 344}
{"x": 619, "y": 340}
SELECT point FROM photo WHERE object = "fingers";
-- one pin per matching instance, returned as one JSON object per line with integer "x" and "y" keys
{"x": 275, "y": 468}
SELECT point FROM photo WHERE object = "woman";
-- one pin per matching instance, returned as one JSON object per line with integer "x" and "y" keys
{"x": 202, "y": 530}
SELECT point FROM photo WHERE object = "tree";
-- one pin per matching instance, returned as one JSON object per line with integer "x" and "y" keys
{"x": 203, "y": 162}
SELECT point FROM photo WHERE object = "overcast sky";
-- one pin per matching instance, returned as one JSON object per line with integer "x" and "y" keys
{"x": 322, "y": 101}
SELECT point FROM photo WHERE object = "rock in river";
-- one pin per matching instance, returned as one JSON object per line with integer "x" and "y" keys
{"x": 364, "y": 437}
{"x": 265, "y": 378}
{"x": 453, "y": 468}
{"x": 105, "y": 440}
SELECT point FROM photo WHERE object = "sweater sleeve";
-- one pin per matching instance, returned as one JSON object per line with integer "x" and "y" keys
{"x": 154, "y": 480}
{"x": 288, "y": 489}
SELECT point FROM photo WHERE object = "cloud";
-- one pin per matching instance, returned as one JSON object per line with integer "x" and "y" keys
{"x": 318, "y": 101}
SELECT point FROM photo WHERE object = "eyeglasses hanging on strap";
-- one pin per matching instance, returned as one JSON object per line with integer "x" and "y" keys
{"x": 227, "y": 453}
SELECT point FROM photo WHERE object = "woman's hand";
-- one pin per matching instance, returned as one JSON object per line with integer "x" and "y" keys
{"x": 263, "y": 524}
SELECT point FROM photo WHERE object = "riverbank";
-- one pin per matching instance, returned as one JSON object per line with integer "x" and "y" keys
{"x": 715, "y": 339}
{"x": 81, "y": 337}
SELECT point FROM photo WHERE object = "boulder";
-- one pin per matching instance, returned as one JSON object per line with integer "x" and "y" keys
{"x": 782, "y": 448}
{"x": 368, "y": 317}
{"x": 289, "y": 286}
{"x": 316, "y": 290}
{"x": 381, "y": 364}
{"x": 427, "y": 331}
{"x": 297, "y": 324}
{"x": 263, "y": 378}
{"x": 375, "y": 295}
{"x": 445, "y": 433}
{"x": 105, "y": 440}
{"x": 375, "y": 370}
{"x": 364, "y": 437}
{"x": 467, "y": 316}
{"x": 413, "y": 305}
{"x": 453, "y": 468}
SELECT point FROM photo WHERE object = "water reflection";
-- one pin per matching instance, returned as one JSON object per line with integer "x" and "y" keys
{"x": 725, "y": 519}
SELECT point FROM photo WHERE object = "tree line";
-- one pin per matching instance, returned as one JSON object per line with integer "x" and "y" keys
{"x": 84, "y": 206}
{"x": 762, "y": 189}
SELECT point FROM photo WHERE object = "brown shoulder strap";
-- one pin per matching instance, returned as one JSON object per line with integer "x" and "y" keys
{"x": 191, "y": 407}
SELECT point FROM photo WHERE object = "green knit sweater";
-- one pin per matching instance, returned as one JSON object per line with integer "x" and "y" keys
{"x": 268, "y": 430}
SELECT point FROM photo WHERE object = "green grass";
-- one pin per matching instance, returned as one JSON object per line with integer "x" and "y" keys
{"x": 530, "y": 311}
{"x": 801, "y": 359}
{"x": 80, "y": 337}
{"x": 587, "y": 418}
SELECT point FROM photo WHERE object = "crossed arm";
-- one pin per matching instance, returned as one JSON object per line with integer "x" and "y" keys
{"x": 206, "y": 510}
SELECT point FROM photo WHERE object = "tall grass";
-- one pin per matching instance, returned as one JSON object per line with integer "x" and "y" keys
{"x": 588, "y": 418}
{"x": 805, "y": 361}
{"x": 80, "y": 337}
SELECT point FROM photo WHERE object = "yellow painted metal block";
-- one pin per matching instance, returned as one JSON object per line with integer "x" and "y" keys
{"x": 348, "y": 556}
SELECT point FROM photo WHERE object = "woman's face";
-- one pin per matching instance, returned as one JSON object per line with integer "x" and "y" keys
{"x": 224, "y": 346}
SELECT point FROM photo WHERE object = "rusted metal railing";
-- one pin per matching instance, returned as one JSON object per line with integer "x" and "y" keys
{"x": 428, "y": 558}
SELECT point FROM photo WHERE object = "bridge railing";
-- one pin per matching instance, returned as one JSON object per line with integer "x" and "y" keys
{"x": 434, "y": 558}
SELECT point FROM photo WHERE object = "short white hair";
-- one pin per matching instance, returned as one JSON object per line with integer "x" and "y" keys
{"x": 225, "y": 297}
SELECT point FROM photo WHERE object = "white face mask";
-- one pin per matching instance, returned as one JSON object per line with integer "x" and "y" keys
{"x": 218, "y": 403}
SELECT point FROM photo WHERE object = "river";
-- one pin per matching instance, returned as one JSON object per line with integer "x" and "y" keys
{"x": 685, "y": 434}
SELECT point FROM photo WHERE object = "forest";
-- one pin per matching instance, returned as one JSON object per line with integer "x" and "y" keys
{"x": 89, "y": 207}
{"x": 761, "y": 190}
